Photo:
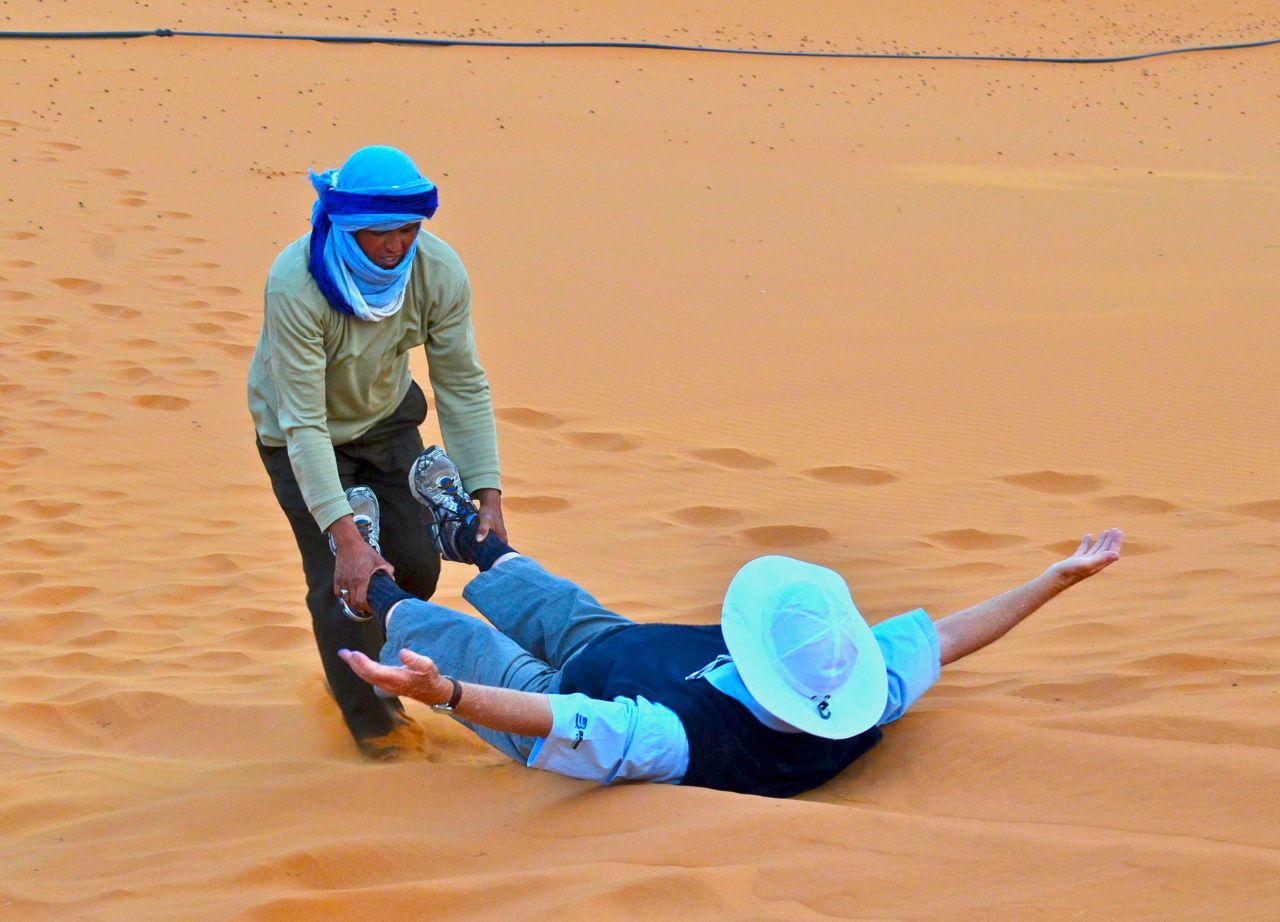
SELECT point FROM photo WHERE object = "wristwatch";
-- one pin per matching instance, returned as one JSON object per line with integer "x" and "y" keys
{"x": 447, "y": 707}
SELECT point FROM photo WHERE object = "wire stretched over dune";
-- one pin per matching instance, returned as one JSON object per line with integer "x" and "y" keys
{"x": 645, "y": 46}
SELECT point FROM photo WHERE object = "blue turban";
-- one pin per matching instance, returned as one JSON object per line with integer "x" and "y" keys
{"x": 378, "y": 188}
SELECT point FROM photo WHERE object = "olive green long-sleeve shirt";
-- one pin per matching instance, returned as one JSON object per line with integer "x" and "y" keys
{"x": 320, "y": 378}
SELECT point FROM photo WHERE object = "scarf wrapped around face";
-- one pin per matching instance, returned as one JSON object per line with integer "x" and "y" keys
{"x": 378, "y": 188}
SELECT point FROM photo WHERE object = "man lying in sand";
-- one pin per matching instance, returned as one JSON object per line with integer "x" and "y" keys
{"x": 782, "y": 695}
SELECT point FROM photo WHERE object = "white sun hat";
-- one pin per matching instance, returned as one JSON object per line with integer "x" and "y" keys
{"x": 802, "y": 648}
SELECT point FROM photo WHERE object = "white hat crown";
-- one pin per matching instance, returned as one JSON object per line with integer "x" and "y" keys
{"x": 812, "y": 640}
{"x": 802, "y": 648}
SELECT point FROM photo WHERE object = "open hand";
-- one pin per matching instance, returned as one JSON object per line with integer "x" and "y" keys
{"x": 419, "y": 678}
{"x": 1092, "y": 556}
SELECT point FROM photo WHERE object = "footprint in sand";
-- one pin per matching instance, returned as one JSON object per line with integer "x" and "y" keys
{"x": 54, "y": 596}
{"x": 199, "y": 376}
{"x": 44, "y": 509}
{"x": 1055, "y": 482}
{"x": 221, "y": 291}
{"x": 1137, "y": 505}
{"x": 113, "y": 172}
{"x": 970, "y": 539}
{"x": 1208, "y": 576}
{"x": 235, "y": 350}
{"x": 208, "y": 329}
{"x": 14, "y": 294}
{"x": 132, "y": 374}
{"x": 160, "y": 402}
{"x": 528, "y": 418}
{"x": 48, "y": 627}
{"x": 271, "y": 637}
{"x": 53, "y": 357}
{"x": 972, "y": 568}
{"x": 13, "y": 458}
{"x": 1268, "y": 510}
{"x": 852, "y": 476}
{"x": 131, "y": 201}
{"x": 1131, "y": 548}
{"x": 1102, "y": 691}
{"x": 733, "y": 458}
{"x": 36, "y": 548}
{"x": 706, "y": 516}
{"x": 218, "y": 564}
{"x": 537, "y": 505}
{"x": 227, "y": 316}
{"x": 116, "y": 311}
{"x": 18, "y": 235}
{"x": 19, "y": 579}
{"x": 18, "y": 264}
{"x": 1166, "y": 663}
{"x": 79, "y": 286}
{"x": 784, "y": 535}
{"x": 599, "y": 441}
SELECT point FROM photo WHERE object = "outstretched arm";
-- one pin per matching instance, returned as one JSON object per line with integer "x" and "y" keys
{"x": 604, "y": 741}
{"x": 502, "y": 709}
{"x": 973, "y": 628}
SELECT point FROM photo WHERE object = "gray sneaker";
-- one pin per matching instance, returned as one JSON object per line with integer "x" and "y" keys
{"x": 364, "y": 505}
{"x": 434, "y": 481}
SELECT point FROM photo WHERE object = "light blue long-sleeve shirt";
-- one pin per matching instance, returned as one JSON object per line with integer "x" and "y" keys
{"x": 634, "y": 739}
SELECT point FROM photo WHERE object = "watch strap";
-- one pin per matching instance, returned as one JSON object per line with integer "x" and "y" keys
{"x": 454, "y": 698}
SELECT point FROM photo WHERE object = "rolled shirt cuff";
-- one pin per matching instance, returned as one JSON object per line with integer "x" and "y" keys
{"x": 330, "y": 511}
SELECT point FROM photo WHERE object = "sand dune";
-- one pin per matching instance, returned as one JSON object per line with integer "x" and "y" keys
{"x": 923, "y": 322}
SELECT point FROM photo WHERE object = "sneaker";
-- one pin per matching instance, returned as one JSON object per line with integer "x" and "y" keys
{"x": 434, "y": 482}
{"x": 364, "y": 505}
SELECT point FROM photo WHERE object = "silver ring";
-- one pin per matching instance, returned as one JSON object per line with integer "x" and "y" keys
{"x": 344, "y": 593}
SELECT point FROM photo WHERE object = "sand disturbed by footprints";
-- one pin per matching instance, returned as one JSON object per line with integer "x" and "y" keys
{"x": 923, "y": 322}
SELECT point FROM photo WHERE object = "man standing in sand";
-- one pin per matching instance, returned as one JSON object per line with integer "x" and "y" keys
{"x": 778, "y": 698}
{"x": 334, "y": 404}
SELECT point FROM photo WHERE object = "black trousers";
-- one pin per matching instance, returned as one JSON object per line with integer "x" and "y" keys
{"x": 379, "y": 459}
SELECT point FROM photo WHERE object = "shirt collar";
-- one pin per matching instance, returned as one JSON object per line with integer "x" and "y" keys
{"x": 724, "y": 678}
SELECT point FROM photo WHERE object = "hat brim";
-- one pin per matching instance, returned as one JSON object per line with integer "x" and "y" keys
{"x": 855, "y": 705}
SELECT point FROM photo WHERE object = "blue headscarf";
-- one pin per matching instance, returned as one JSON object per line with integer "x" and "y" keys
{"x": 378, "y": 188}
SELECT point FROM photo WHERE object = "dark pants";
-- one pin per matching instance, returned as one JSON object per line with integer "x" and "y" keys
{"x": 379, "y": 459}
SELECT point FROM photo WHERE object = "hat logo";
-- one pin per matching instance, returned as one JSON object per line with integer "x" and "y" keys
{"x": 824, "y": 707}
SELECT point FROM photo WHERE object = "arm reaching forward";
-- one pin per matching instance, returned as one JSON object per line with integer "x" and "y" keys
{"x": 973, "y": 628}
{"x": 504, "y": 709}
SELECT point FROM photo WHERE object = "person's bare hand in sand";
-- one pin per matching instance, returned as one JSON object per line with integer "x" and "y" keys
{"x": 787, "y": 690}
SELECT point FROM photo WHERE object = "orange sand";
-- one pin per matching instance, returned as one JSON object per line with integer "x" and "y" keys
{"x": 923, "y": 322}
